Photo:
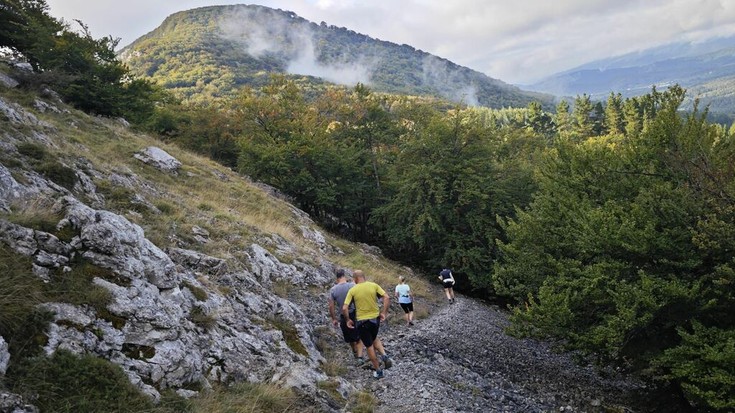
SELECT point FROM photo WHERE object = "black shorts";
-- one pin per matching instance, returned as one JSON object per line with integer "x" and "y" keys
{"x": 448, "y": 284}
{"x": 368, "y": 330}
{"x": 349, "y": 334}
{"x": 407, "y": 307}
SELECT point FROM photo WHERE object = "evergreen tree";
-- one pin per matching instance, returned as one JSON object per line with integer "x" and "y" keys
{"x": 614, "y": 122}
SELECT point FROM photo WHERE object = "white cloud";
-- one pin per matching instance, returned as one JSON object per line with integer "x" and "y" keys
{"x": 515, "y": 41}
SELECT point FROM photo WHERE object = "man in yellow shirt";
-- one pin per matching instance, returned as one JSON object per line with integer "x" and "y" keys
{"x": 365, "y": 295}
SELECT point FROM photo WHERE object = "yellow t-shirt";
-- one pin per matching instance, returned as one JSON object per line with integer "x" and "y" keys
{"x": 365, "y": 296}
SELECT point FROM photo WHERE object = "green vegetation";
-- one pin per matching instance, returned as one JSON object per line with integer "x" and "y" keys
{"x": 203, "y": 56}
{"x": 83, "y": 70}
{"x": 290, "y": 335}
{"x": 607, "y": 225}
{"x": 246, "y": 398}
{"x": 65, "y": 382}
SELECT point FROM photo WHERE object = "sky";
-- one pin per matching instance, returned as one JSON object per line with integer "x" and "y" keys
{"x": 516, "y": 41}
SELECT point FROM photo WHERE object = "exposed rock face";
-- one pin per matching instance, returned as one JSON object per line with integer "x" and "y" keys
{"x": 169, "y": 328}
{"x": 177, "y": 317}
{"x": 9, "y": 188}
{"x": 158, "y": 158}
{"x": 4, "y": 356}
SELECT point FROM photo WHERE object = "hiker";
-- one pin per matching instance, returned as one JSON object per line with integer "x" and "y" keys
{"x": 337, "y": 295}
{"x": 405, "y": 299}
{"x": 364, "y": 296}
{"x": 447, "y": 280}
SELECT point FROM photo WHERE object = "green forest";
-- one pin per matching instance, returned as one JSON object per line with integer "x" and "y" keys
{"x": 203, "y": 55}
{"x": 608, "y": 226}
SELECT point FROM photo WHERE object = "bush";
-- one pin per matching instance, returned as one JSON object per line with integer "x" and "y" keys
{"x": 21, "y": 325}
{"x": 32, "y": 150}
{"x": 704, "y": 365}
{"x": 65, "y": 382}
{"x": 58, "y": 173}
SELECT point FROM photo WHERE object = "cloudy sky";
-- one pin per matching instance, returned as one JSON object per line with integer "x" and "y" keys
{"x": 517, "y": 41}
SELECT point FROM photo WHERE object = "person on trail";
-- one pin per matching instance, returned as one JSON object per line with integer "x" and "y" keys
{"x": 337, "y": 295}
{"x": 405, "y": 299}
{"x": 364, "y": 295}
{"x": 447, "y": 280}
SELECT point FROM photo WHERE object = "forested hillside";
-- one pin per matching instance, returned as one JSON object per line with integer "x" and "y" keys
{"x": 210, "y": 52}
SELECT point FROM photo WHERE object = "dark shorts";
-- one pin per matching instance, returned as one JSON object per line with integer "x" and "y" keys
{"x": 448, "y": 284}
{"x": 350, "y": 334}
{"x": 407, "y": 307}
{"x": 368, "y": 330}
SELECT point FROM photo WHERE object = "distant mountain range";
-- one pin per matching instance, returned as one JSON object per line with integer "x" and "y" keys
{"x": 211, "y": 52}
{"x": 705, "y": 69}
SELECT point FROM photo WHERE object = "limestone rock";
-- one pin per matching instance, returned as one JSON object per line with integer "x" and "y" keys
{"x": 8, "y": 81}
{"x": 158, "y": 158}
{"x": 4, "y": 356}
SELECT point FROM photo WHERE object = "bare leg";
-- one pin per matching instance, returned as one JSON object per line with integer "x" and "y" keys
{"x": 357, "y": 348}
{"x": 377, "y": 344}
{"x": 373, "y": 357}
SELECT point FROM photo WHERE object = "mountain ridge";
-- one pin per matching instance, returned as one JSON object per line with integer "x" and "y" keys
{"x": 706, "y": 69}
{"x": 212, "y": 51}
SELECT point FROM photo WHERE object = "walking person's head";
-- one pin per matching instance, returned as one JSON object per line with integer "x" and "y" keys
{"x": 340, "y": 274}
{"x": 401, "y": 279}
{"x": 359, "y": 276}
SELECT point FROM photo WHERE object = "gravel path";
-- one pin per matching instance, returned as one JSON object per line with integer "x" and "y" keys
{"x": 460, "y": 360}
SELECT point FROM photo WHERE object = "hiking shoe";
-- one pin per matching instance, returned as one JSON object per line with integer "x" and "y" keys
{"x": 410, "y": 323}
{"x": 359, "y": 361}
{"x": 378, "y": 374}
{"x": 387, "y": 363}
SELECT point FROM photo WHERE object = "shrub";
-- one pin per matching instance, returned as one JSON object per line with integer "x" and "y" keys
{"x": 58, "y": 173}
{"x": 21, "y": 324}
{"x": 65, "y": 382}
{"x": 704, "y": 365}
{"x": 33, "y": 150}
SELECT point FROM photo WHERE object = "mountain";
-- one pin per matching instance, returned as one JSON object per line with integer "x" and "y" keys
{"x": 705, "y": 69}
{"x": 210, "y": 52}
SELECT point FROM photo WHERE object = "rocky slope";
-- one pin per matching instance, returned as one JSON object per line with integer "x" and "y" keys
{"x": 460, "y": 360}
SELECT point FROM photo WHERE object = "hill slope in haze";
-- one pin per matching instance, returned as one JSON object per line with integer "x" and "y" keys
{"x": 211, "y": 51}
{"x": 706, "y": 70}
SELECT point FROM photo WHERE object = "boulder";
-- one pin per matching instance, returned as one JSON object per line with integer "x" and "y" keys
{"x": 158, "y": 158}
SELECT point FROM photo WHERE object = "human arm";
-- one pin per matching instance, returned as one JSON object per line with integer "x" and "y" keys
{"x": 386, "y": 306}
{"x": 332, "y": 312}
{"x": 346, "y": 310}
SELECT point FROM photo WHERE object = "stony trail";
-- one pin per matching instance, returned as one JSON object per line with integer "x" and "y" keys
{"x": 460, "y": 360}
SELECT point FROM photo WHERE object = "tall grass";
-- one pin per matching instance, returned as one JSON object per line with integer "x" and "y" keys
{"x": 246, "y": 398}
